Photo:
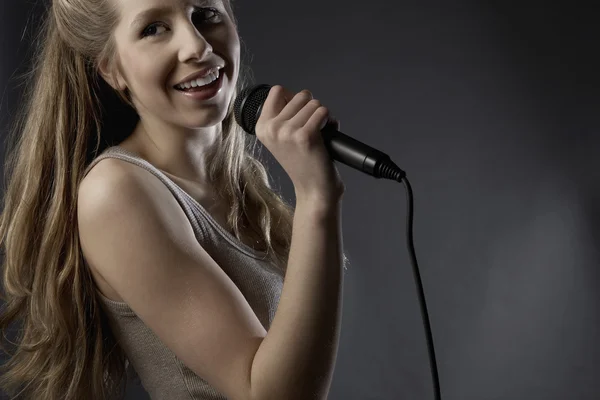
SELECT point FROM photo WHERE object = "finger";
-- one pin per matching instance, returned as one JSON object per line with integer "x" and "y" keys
{"x": 318, "y": 120}
{"x": 295, "y": 105}
{"x": 288, "y": 94}
{"x": 302, "y": 117}
{"x": 274, "y": 103}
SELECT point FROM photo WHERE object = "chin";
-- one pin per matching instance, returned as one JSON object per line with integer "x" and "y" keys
{"x": 210, "y": 119}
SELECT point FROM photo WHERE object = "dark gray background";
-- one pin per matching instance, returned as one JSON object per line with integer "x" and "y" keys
{"x": 493, "y": 112}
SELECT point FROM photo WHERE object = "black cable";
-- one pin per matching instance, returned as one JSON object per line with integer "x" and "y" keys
{"x": 420, "y": 293}
{"x": 385, "y": 168}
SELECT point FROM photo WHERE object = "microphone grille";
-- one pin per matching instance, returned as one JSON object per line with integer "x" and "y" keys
{"x": 248, "y": 105}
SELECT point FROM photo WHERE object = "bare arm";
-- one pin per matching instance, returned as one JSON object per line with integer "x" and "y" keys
{"x": 296, "y": 359}
{"x": 137, "y": 237}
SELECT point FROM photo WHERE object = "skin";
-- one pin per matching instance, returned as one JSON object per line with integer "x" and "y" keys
{"x": 174, "y": 131}
{"x": 148, "y": 234}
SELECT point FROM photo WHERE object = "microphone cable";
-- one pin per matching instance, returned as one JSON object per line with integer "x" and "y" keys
{"x": 388, "y": 170}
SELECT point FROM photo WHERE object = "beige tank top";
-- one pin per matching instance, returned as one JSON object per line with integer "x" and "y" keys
{"x": 156, "y": 367}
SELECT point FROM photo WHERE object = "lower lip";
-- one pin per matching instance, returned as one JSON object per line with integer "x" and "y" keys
{"x": 207, "y": 92}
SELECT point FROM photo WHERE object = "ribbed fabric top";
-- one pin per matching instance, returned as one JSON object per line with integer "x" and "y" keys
{"x": 160, "y": 371}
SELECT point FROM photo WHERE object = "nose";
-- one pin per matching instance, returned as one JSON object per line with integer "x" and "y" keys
{"x": 192, "y": 44}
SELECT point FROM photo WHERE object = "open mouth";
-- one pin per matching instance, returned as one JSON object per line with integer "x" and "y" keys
{"x": 206, "y": 92}
{"x": 203, "y": 87}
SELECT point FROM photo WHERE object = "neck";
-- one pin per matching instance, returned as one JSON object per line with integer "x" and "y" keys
{"x": 180, "y": 154}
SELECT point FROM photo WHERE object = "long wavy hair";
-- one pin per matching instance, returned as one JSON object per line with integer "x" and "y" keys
{"x": 64, "y": 348}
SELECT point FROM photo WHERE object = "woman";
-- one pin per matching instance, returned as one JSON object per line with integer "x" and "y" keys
{"x": 143, "y": 235}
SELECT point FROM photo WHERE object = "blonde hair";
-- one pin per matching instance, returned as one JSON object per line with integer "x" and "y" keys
{"x": 65, "y": 348}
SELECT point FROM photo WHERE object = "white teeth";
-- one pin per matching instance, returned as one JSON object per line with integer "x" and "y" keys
{"x": 210, "y": 78}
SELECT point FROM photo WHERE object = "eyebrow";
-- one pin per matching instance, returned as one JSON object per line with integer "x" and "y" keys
{"x": 161, "y": 10}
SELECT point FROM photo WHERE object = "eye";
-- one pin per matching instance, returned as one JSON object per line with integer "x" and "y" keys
{"x": 149, "y": 28}
{"x": 214, "y": 15}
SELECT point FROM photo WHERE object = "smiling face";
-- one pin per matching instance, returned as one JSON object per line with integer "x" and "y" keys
{"x": 161, "y": 42}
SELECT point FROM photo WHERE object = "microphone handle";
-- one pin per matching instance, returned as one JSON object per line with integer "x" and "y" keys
{"x": 353, "y": 153}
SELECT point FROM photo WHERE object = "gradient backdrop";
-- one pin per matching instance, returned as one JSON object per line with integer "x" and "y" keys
{"x": 493, "y": 113}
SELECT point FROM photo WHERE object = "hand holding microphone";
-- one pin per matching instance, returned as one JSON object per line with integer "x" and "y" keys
{"x": 249, "y": 105}
{"x": 290, "y": 128}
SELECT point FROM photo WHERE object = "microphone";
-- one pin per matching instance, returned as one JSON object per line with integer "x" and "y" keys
{"x": 248, "y": 106}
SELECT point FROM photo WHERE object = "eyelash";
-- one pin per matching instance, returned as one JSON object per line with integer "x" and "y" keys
{"x": 213, "y": 10}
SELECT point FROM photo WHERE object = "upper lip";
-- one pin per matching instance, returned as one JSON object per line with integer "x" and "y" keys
{"x": 199, "y": 74}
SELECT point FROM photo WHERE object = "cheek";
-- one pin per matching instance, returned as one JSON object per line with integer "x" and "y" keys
{"x": 225, "y": 41}
{"x": 146, "y": 73}
{"x": 236, "y": 54}
{"x": 233, "y": 52}
{"x": 235, "y": 43}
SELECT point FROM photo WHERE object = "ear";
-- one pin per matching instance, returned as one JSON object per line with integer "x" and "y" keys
{"x": 106, "y": 69}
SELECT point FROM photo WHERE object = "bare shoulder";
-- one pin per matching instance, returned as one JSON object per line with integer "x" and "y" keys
{"x": 110, "y": 183}
{"x": 115, "y": 188}
{"x": 109, "y": 177}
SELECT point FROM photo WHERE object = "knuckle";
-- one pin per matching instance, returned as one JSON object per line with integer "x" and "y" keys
{"x": 275, "y": 126}
{"x": 315, "y": 103}
{"x": 309, "y": 135}
{"x": 275, "y": 90}
{"x": 278, "y": 90}
{"x": 305, "y": 95}
{"x": 304, "y": 139}
{"x": 287, "y": 130}
{"x": 268, "y": 130}
{"x": 281, "y": 127}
